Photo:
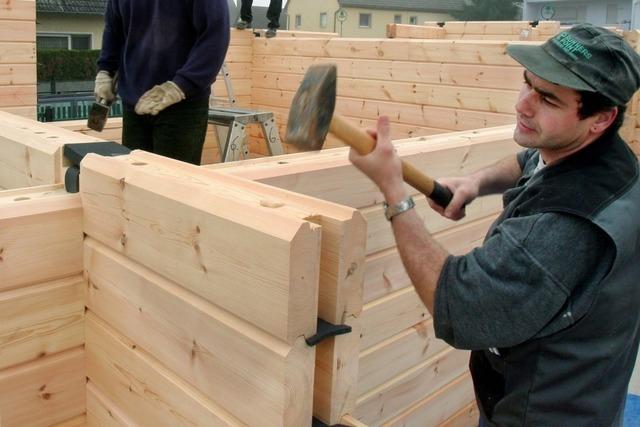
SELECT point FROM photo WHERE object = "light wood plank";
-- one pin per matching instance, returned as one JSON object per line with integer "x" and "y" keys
{"x": 79, "y": 421}
{"x": 387, "y": 316}
{"x": 43, "y": 392}
{"x": 350, "y": 421}
{"x": 440, "y": 406}
{"x": 17, "y": 30}
{"x": 144, "y": 390}
{"x": 29, "y": 112}
{"x": 265, "y": 271}
{"x": 468, "y": 98}
{"x": 343, "y": 229}
{"x": 391, "y": 357}
{"x": 450, "y": 51}
{"x": 380, "y": 234}
{"x": 342, "y": 255}
{"x": 411, "y": 114}
{"x": 240, "y": 38}
{"x": 255, "y": 377}
{"x": 395, "y": 396}
{"x": 403, "y": 31}
{"x": 39, "y": 320}
{"x": 19, "y": 74}
{"x": 17, "y": 53}
{"x": 102, "y": 412}
{"x": 384, "y": 272}
{"x": 18, "y": 95}
{"x": 336, "y": 373}
{"x": 32, "y": 151}
{"x": 18, "y": 9}
{"x": 466, "y": 417}
{"x": 40, "y": 239}
{"x": 476, "y": 75}
{"x": 328, "y": 175}
{"x": 239, "y": 53}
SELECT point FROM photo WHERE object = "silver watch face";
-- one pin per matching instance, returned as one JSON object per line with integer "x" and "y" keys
{"x": 392, "y": 210}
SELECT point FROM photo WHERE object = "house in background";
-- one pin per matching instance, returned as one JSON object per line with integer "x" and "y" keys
{"x": 78, "y": 24}
{"x": 365, "y": 18}
{"x": 619, "y": 13}
{"x": 69, "y": 24}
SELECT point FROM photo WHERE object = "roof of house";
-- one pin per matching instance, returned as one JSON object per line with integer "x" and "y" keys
{"x": 83, "y": 7}
{"x": 413, "y": 5}
{"x": 87, "y": 7}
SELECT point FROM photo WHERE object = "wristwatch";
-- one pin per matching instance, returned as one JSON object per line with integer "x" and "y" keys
{"x": 392, "y": 210}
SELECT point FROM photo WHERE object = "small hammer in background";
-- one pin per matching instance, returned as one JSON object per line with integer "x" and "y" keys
{"x": 99, "y": 111}
{"x": 312, "y": 116}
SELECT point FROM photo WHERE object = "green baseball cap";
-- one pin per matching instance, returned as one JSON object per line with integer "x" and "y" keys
{"x": 585, "y": 58}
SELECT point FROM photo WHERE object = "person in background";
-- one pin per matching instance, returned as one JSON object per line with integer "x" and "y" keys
{"x": 166, "y": 55}
{"x": 273, "y": 15}
{"x": 550, "y": 303}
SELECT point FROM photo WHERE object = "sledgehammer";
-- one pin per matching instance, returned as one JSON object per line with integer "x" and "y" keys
{"x": 311, "y": 117}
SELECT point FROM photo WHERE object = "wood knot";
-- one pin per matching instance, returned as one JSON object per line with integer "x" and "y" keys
{"x": 352, "y": 269}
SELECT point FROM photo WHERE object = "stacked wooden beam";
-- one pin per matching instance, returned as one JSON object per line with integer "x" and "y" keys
{"x": 18, "y": 57}
{"x": 32, "y": 152}
{"x": 238, "y": 60}
{"x": 202, "y": 290}
{"x": 477, "y": 30}
{"x": 404, "y": 375}
{"x": 41, "y": 284}
{"x": 42, "y": 380}
{"x": 424, "y": 86}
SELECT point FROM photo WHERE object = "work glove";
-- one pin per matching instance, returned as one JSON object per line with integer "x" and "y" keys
{"x": 158, "y": 98}
{"x": 104, "y": 89}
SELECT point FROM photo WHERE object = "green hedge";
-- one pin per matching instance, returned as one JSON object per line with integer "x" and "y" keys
{"x": 61, "y": 65}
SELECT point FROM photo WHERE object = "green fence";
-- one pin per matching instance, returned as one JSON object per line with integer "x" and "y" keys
{"x": 70, "y": 107}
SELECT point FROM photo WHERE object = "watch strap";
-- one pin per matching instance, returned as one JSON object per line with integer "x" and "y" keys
{"x": 391, "y": 211}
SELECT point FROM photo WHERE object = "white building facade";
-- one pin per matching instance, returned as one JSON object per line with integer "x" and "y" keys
{"x": 624, "y": 14}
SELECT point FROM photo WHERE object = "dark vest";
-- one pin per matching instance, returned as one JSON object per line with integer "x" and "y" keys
{"x": 576, "y": 371}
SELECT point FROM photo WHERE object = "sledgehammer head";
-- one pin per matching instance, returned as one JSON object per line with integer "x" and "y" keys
{"x": 312, "y": 108}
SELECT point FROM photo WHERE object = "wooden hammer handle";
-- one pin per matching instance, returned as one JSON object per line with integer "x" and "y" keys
{"x": 363, "y": 143}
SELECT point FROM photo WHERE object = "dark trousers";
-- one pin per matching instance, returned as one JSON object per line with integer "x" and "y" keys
{"x": 273, "y": 13}
{"x": 177, "y": 132}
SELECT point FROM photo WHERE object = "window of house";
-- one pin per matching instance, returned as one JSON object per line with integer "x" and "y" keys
{"x": 63, "y": 41}
{"x": 298, "y": 21}
{"x": 413, "y": 20}
{"x": 397, "y": 19}
{"x": 323, "y": 20}
{"x": 365, "y": 20}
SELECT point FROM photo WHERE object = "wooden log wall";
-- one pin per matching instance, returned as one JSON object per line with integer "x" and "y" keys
{"x": 18, "y": 80}
{"x": 42, "y": 379}
{"x": 41, "y": 284}
{"x": 32, "y": 152}
{"x": 478, "y": 30}
{"x": 404, "y": 375}
{"x": 202, "y": 288}
{"x": 425, "y": 86}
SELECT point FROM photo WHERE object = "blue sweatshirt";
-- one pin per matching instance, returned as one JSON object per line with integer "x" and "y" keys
{"x": 151, "y": 41}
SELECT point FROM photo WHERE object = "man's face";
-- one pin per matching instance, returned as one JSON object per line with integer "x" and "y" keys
{"x": 547, "y": 118}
